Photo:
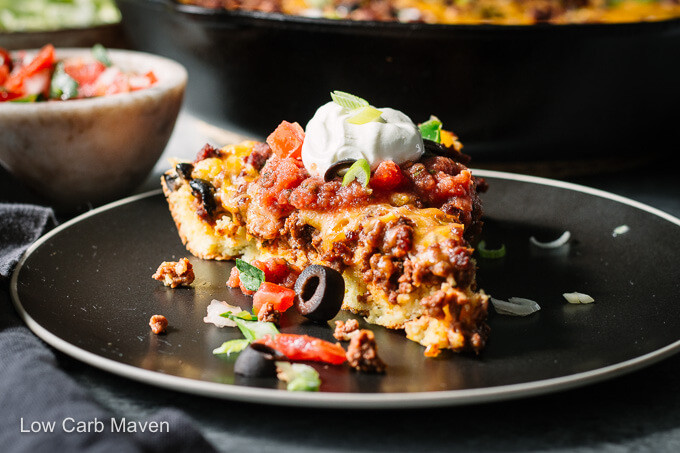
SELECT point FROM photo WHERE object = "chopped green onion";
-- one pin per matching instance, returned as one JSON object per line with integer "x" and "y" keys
{"x": 62, "y": 85}
{"x": 246, "y": 316}
{"x": 28, "y": 98}
{"x": 578, "y": 298}
{"x": 621, "y": 229}
{"x": 100, "y": 53}
{"x": 252, "y": 330}
{"x": 348, "y": 101}
{"x": 490, "y": 253}
{"x": 251, "y": 276}
{"x": 365, "y": 115}
{"x": 360, "y": 170}
{"x": 431, "y": 129}
{"x": 299, "y": 377}
{"x": 231, "y": 347}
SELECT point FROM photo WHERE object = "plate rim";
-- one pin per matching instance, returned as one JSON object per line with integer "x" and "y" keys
{"x": 347, "y": 400}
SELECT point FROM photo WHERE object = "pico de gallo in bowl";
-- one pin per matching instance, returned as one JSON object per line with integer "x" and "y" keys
{"x": 84, "y": 126}
{"x": 28, "y": 77}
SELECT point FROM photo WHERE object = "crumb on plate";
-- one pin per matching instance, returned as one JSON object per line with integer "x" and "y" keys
{"x": 175, "y": 273}
{"x": 158, "y": 324}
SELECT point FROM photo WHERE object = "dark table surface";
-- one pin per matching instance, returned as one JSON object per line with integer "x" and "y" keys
{"x": 639, "y": 411}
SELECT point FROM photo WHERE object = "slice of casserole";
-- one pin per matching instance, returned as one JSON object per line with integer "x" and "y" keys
{"x": 402, "y": 241}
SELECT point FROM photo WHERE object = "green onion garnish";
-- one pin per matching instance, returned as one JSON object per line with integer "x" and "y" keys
{"x": 62, "y": 85}
{"x": 365, "y": 115}
{"x": 251, "y": 276}
{"x": 360, "y": 170}
{"x": 299, "y": 377}
{"x": 252, "y": 330}
{"x": 28, "y": 98}
{"x": 231, "y": 347}
{"x": 431, "y": 129}
{"x": 100, "y": 53}
{"x": 490, "y": 253}
{"x": 348, "y": 101}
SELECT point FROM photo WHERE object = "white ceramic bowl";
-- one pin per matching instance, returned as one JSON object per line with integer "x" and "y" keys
{"x": 93, "y": 150}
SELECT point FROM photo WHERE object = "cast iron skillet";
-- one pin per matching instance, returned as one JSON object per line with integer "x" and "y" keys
{"x": 510, "y": 92}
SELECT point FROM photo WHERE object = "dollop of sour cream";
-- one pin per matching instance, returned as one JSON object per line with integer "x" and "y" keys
{"x": 329, "y": 138}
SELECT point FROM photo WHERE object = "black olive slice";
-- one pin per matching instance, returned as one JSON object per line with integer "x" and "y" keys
{"x": 184, "y": 170}
{"x": 337, "y": 168}
{"x": 258, "y": 360}
{"x": 204, "y": 191}
{"x": 436, "y": 148}
{"x": 319, "y": 291}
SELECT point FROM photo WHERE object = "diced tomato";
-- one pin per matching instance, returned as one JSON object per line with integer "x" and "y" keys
{"x": 120, "y": 84}
{"x": 235, "y": 282}
{"x": 5, "y": 65}
{"x": 44, "y": 60}
{"x": 152, "y": 77}
{"x": 305, "y": 348}
{"x": 276, "y": 270}
{"x": 387, "y": 176}
{"x": 4, "y": 73}
{"x": 85, "y": 72}
{"x": 280, "y": 297}
{"x": 234, "y": 279}
{"x": 38, "y": 83}
{"x": 5, "y": 59}
{"x": 5, "y": 96}
{"x": 286, "y": 140}
{"x": 139, "y": 82}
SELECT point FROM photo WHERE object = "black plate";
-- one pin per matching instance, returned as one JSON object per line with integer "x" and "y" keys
{"x": 86, "y": 289}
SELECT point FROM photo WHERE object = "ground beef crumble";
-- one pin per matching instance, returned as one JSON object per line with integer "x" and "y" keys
{"x": 344, "y": 330}
{"x": 362, "y": 353}
{"x": 158, "y": 324}
{"x": 175, "y": 273}
{"x": 268, "y": 313}
{"x": 261, "y": 152}
{"x": 206, "y": 152}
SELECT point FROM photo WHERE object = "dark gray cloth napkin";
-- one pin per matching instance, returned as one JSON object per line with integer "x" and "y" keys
{"x": 35, "y": 392}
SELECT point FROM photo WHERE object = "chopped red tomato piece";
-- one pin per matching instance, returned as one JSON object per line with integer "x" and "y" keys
{"x": 277, "y": 270}
{"x": 305, "y": 348}
{"x": 235, "y": 282}
{"x": 120, "y": 84}
{"x": 4, "y": 73}
{"x": 139, "y": 82}
{"x": 38, "y": 83}
{"x": 44, "y": 60}
{"x": 5, "y": 59}
{"x": 286, "y": 140}
{"x": 387, "y": 176}
{"x": 151, "y": 77}
{"x": 85, "y": 72}
{"x": 280, "y": 297}
{"x": 5, "y": 65}
{"x": 5, "y": 96}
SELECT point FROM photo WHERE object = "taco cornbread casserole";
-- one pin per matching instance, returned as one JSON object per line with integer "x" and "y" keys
{"x": 498, "y": 12}
{"x": 401, "y": 238}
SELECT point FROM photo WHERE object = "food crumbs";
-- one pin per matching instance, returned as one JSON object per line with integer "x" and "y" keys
{"x": 158, "y": 324}
{"x": 175, "y": 273}
{"x": 345, "y": 330}
{"x": 362, "y": 353}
